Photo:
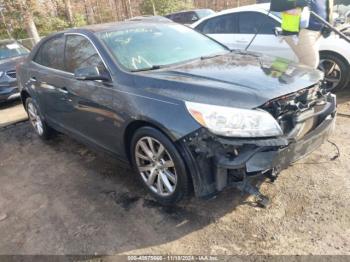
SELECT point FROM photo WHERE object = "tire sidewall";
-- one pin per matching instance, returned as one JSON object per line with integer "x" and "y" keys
{"x": 343, "y": 66}
{"x": 182, "y": 187}
{"x": 46, "y": 133}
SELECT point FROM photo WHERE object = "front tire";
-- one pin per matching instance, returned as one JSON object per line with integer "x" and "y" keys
{"x": 336, "y": 71}
{"x": 159, "y": 165}
{"x": 39, "y": 125}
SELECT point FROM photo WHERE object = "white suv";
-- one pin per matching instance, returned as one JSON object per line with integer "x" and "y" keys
{"x": 236, "y": 27}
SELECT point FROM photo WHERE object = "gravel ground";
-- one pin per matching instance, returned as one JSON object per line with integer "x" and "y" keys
{"x": 58, "y": 197}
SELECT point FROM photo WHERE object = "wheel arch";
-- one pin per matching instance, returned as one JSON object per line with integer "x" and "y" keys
{"x": 133, "y": 126}
{"x": 340, "y": 56}
{"x": 344, "y": 60}
{"x": 130, "y": 131}
{"x": 24, "y": 96}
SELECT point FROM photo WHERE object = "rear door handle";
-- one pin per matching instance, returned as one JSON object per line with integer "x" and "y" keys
{"x": 63, "y": 90}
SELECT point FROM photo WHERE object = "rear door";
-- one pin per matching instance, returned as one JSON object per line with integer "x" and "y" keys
{"x": 222, "y": 28}
{"x": 48, "y": 76}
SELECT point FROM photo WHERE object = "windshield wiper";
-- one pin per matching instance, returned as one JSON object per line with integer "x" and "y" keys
{"x": 154, "y": 67}
{"x": 210, "y": 56}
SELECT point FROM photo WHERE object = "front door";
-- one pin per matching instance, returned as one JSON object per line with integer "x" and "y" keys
{"x": 92, "y": 117}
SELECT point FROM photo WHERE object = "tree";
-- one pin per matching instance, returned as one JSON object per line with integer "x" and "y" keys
{"x": 23, "y": 9}
{"x": 89, "y": 12}
{"x": 163, "y": 7}
{"x": 69, "y": 13}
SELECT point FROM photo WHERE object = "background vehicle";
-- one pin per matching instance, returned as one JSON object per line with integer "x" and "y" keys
{"x": 119, "y": 87}
{"x": 236, "y": 28}
{"x": 189, "y": 17}
{"x": 11, "y": 53}
{"x": 155, "y": 18}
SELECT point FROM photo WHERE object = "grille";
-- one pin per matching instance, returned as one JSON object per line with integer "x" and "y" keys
{"x": 11, "y": 74}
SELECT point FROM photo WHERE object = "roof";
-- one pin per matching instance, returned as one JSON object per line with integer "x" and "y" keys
{"x": 265, "y": 6}
{"x": 191, "y": 10}
{"x": 262, "y": 7}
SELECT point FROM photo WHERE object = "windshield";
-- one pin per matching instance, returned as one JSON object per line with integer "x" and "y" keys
{"x": 9, "y": 50}
{"x": 204, "y": 13}
{"x": 150, "y": 46}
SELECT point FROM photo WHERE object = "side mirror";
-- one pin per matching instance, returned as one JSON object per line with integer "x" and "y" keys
{"x": 194, "y": 19}
{"x": 278, "y": 31}
{"x": 90, "y": 73}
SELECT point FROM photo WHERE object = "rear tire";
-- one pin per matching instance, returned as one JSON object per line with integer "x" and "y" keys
{"x": 336, "y": 71}
{"x": 159, "y": 165}
{"x": 37, "y": 121}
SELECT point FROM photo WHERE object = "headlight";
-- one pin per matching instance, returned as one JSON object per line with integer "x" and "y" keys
{"x": 234, "y": 122}
{"x": 1, "y": 74}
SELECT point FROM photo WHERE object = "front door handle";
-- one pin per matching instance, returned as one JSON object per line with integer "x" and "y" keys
{"x": 63, "y": 90}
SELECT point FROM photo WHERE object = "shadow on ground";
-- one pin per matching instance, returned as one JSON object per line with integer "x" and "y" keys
{"x": 60, "y": 197}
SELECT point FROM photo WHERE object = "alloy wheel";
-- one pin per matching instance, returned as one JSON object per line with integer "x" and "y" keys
{"x": 35, "y": 119}
{"x": 332, "y": 71}
{"x": 156, "y": 166}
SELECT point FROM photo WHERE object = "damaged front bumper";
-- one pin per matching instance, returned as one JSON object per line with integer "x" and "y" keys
{"x": 216, "y": 162}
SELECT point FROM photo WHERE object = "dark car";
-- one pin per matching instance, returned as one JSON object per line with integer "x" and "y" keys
{"x": 11, "y": 53}
{"x": 154, "y": 18}
{"x": 184, "y": 110}
{"x": 189, "y": 17}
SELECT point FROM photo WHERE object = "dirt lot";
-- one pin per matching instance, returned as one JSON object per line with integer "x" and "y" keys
{"x": 59, "y": 197}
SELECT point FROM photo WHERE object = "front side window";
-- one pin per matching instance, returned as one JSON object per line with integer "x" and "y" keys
{"x": 81, "y": 53}
{"x": 11, "y": 50}
{"x": 144, "y": 47}
{"x": 253, "y": 22}
{"x": 189, "y": 18}
{"x": 178, "y": 18}
{"x": 225, "y": 24}
{"x": 51, "y": 53}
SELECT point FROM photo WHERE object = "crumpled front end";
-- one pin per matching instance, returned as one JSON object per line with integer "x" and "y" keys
{"x": 307, "y": 118}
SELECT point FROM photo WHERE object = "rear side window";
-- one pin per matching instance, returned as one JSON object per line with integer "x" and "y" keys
{"x": 51, "y": 53}
{"x": 81, "y": 53}
{"x": 252, "y": 22}
{"x": 225, "y": 24}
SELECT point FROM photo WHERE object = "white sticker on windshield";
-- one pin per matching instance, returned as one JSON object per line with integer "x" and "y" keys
{"x": 13, "y": 46}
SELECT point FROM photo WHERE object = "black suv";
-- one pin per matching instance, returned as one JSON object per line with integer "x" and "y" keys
{"x": 11, "y": 53}
{"x": 189, "y": 17}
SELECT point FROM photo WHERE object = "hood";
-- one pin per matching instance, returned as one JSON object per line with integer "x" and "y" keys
{"x": 237, "y": 80}
{"x": 10, "y": 63}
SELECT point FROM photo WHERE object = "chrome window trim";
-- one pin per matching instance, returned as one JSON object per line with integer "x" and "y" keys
{"x": 93, "y": 44}
{"x": 66, "y": 72}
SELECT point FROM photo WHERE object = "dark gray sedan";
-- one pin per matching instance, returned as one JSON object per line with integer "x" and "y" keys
{"x": 11, "y": 53}
{"x": 186, "y": 112}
